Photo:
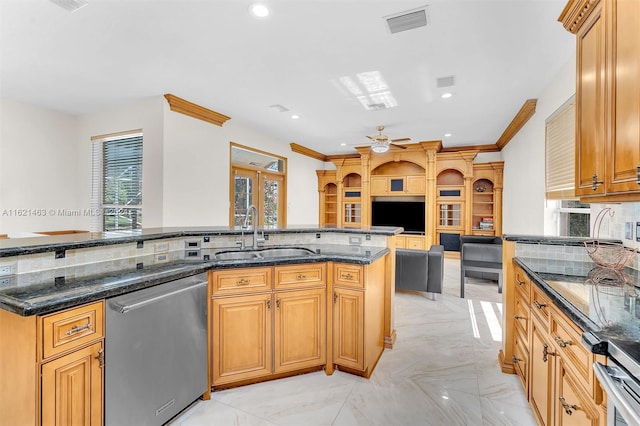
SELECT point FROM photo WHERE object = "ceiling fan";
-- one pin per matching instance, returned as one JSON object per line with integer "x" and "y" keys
{"x": 381, "y": 143}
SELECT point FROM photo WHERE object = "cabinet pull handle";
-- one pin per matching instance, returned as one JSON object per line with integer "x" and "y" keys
{"x": 567, "y": 407}
{"x": 268, "y": 304}
{"x": 301, "y": 277}
{"x": 519, "y": 282}
{"x": 546, "y": 353}
{"x": 515, "y": 359}
{"x": 563, "y": 343}
{"x": 595, "y": 182}
{"x": 100, "y": 358}
{"x": 75, "y": 329}
{"x": 539, "y": 305}
{"x": 243, "y": 281}
{"x": 347, "y": 276}
{"x": 278, "y": 303}
{"x": 335, "y": 297}
{"x": 519, "y": 317}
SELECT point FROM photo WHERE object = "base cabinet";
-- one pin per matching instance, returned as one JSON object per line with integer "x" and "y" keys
{"x": 358, "y": 316}
{"x": 553, "y": 366}
{"x": 72, "y": 388}
{"x": 258, "y": 331}
{"x": 52, "y": 372}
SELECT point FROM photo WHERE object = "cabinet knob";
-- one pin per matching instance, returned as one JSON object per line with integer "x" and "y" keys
{"x": 515, "y": 359}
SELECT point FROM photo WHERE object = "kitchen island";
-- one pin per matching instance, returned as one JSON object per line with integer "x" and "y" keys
{"x": 64, "y": 281}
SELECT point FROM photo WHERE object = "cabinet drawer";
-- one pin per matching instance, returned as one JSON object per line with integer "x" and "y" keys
{"x": 304, "y": 275}
{"x": 246, "y": 280}
{"x": 540, "y": 304}
{"x": 523, "y": 284}
{"x": 415, "y": 243}
{"x": 349, "y": 275}
{"x": 521, "y": 360}
{"x": 521, "y": 315}
{"x": 72, "y": 328}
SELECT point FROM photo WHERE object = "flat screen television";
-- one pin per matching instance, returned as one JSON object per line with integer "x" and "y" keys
{"x": 408, "y": 214}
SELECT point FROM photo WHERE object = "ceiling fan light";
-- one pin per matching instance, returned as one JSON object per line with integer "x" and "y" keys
{"x": 380, "y": 147}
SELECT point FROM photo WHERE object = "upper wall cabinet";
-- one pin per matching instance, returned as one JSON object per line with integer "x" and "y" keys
{"x": 398, "y": 178}
{"x": 607, "y": 97}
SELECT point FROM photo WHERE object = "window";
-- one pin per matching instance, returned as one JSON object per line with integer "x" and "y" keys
{"x": 573, "y": 219}
{"x": 117, "y": 182}
{"x": 257, "y": 178}
{"x": 560, "y": 152}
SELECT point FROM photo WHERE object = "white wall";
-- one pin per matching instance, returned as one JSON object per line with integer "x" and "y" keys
{"x": 45, "y": 163}
{"x": 524, "y": 209}
{"x": 196, "y": 172}
{"x": 38, "y": 169}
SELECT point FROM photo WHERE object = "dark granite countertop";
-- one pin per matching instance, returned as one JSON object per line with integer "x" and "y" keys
{"x": 31, "y": 245}
{"x": 603, "y": 302}
{"x": 557, "y": 241}
{"x": 52, "y": 290}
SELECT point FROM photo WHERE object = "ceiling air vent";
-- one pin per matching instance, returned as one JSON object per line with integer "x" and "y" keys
{"x": 279, "y": 108}
{"x": 70, "y": 5}
{"x": 409, "y": 20}
{"x": 374, "y": 107}
{"x": 447, "y": 81}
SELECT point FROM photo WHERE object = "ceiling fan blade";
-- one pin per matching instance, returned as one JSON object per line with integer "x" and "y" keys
{"x": 401, "y": 140}
{"x": 371, "y": 137}
{"x": 398, "y": 145}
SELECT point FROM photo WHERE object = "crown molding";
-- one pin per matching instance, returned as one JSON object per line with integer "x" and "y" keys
{"x": 521, "y": 118}
{"x": 194, "y": 110}
{"x": 479, "y": 148}
{"x": 575, "y": 12}
{"x": 308, "y": 152}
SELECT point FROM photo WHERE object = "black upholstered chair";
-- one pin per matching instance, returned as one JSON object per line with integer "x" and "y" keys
{"x": 420, "y": 270}
{"x": 480, "y": 257}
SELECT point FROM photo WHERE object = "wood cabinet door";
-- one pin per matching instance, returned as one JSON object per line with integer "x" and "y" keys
{"x": 241, "y": 338}
{"x": 72, "y": 388}
{"x": 415, "y": 243}
{"x": 379, "y": 185}
{"x": 300, "y": 329}
{"x": 416, "y": 185}
{"x": 625, "y": 122}
{"x": 541, "y": 365}
{"x": 590, "y": 104}
{"x": 572, "y": 405}
{"x": 348, "y": 328}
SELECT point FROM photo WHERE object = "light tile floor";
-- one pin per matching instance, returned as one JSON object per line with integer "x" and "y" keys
{"x": 443, "y": 370}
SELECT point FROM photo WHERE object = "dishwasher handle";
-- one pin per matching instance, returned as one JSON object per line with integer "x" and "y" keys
{"x": 614, "y": 393}
{"x": 123, "y": 308}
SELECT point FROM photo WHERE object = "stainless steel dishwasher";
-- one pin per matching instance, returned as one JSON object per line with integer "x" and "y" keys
{"x": 155, "y": 352}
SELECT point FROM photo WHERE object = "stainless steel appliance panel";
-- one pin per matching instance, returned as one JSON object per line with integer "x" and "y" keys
{"x": 155, "y": 352}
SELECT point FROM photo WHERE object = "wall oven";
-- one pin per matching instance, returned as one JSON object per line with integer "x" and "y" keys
{"x": 619, "y": 379}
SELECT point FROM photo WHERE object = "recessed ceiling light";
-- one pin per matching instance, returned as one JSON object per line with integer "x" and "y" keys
{"x": 446, "y": 95}
{"x": 259, "y": 10}
{"x": 295, "y": 116}
{"x": 447, "y": 135}
{"x": 343, "y": 144}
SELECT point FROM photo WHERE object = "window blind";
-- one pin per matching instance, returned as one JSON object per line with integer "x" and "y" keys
{"x": 117, "y": 181}
{"x": 560, "y": 152}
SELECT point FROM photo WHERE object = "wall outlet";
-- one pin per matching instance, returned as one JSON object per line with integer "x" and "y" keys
{"x": 355, "y": 240}
{"x": 161, "y": 247}
{"x": 628, "y": 230}
{"x": 7, "y": 269}
{"x": 637, "y": 231}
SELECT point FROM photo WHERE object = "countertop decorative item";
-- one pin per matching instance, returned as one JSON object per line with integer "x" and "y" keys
{"x": 608, "y": 254}
{"x": 481, "y": 187}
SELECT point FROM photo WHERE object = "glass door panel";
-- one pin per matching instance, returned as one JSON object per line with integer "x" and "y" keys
{"x": 450, "y": 215}
{"x": 243, "y": 195}
{"x": 272, "y": 185}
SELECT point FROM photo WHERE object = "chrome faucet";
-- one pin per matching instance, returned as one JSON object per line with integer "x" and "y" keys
{"x": 256, "y": 240}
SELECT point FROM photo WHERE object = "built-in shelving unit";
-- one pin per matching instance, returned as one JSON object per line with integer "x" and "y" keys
{"x": 482, "y": 222}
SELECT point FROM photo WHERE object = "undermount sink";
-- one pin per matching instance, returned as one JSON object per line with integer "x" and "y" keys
{"x": 263, "y": 253}
{"x": 284, "y": 252}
